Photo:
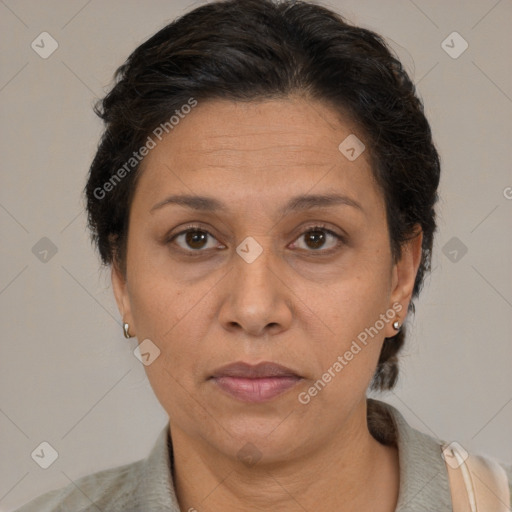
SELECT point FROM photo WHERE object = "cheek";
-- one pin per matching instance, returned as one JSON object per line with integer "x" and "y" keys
{"x": 175, "y": 316}
{"x": 352, "y": 301}
{"x": 348, "y": 313}
{"x": 346, "y": 357}
{"x": 166, "y": 316}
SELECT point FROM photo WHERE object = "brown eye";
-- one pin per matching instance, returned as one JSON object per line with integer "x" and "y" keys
{"x": 317, "y": 238}
{"x": 194, "y": 239}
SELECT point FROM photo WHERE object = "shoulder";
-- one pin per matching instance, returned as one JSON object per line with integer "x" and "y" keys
{"x": 508, "y": 472}
{"x": 424, "y": 478}
{"x": 482, "y": 479}
{"x": 145, "y": 484}
{"x": 111, "y": 489}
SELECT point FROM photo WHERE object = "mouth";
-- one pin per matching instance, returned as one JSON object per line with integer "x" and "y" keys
{"x": 255, "y": 383}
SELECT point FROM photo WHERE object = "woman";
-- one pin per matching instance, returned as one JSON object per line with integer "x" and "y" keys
{"x": 264, "y": 193}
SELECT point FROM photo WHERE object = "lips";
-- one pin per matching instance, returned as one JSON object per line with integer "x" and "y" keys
{"x": 248, "y": 371}
{"x": 255, "y": 383}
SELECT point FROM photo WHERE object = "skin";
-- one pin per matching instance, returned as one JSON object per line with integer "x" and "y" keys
{"x": 297, "y": 304}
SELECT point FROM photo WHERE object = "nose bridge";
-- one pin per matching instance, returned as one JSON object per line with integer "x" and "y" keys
{"x": 253, "y": 267}
{"x": 257, "y": 298}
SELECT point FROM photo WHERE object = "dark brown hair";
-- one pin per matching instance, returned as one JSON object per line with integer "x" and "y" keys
{"x": 247, "y": 50}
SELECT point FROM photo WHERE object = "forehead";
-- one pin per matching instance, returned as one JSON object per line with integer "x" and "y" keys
{"x": 266, "y": 148}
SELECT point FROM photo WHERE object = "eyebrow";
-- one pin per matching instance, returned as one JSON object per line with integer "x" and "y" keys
{"x": 297, "y": 203}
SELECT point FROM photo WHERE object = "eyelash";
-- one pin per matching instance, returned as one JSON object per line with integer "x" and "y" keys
{"x": 319, "y": 227}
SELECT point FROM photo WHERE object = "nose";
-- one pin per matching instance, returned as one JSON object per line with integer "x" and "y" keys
{"x": 257, "y": 299}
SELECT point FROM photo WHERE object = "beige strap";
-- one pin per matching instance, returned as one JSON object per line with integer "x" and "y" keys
{"x": 477, "y": 484}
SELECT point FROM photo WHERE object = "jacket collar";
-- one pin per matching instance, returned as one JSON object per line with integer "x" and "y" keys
{"x": 424, "y": 482}
{"x": 423, "y": 475}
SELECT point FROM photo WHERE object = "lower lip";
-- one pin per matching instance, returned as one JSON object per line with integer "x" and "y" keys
{"x": 256, "y": 390}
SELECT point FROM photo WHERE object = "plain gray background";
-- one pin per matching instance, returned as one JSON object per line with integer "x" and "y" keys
{"x": 69, "y": 377}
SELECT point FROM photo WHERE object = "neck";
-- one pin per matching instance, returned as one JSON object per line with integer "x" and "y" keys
{"x": 350, "y": 471}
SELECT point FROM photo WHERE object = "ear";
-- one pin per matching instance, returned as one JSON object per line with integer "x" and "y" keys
{"x": 404, "y": 275}
{"x": 120, "y": 287}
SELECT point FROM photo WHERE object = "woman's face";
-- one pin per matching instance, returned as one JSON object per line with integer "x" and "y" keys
{"x": 262, "y": 276}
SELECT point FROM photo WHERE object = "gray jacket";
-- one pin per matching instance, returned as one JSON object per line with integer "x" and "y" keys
{"x": 146, "y": 485}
